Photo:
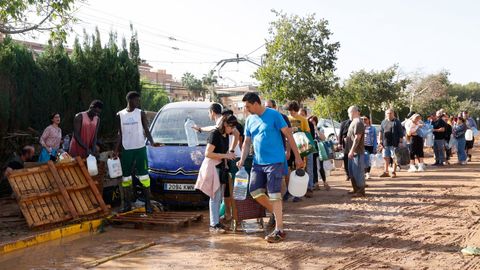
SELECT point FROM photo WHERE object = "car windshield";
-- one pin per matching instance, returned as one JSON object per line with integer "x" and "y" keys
{"x": 169, "y": 126}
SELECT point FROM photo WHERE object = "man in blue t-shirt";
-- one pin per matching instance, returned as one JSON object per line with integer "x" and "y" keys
{"x": 264, "y": 128}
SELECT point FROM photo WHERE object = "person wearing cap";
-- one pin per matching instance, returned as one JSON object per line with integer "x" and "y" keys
{"x": 416, "y": 142}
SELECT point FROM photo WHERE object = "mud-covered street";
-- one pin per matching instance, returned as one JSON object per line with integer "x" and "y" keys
{"x": 416, "y": 221}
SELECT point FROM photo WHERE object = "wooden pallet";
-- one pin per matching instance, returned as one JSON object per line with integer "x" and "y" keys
{"x": 173, "y": 220}
{"x": 57, "y": 193}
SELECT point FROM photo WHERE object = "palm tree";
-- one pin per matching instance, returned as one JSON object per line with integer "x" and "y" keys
{"x": 209, "y": 80}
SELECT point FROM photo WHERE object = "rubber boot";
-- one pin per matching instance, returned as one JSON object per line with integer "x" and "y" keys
{"x": 127, "y": 199}
{"x": 148, "y": 203}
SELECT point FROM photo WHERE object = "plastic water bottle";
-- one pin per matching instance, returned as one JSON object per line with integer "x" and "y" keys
{"x": 240, "y": 186}
{"x": 66, "y": 143}
{"x": 92, "y": 165}
{"x": 192, "y": 138}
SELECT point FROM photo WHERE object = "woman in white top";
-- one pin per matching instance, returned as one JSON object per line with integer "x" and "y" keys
{"x": 412, "y": 127}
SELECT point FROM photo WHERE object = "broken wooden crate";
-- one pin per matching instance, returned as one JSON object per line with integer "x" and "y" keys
{"x": 57, "y": 193}
{"x": 172, "y": 220}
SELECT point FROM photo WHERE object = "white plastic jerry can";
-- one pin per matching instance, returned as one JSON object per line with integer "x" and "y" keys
{"x": 298, "y": 183}
{"x": 92, "y": 165}
{"x": 114, "y": 167}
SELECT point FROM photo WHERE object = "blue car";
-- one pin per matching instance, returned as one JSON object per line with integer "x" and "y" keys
{"x": 174, "y": 167}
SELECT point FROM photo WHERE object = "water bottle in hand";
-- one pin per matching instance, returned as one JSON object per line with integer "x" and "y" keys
{"x": 240, "y": 186}
{"x": 192, "y": 137}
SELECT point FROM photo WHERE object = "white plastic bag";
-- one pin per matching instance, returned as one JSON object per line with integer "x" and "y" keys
{"x": 429, "y": 140}
{"x": 327, "y": 165}
{"x": 378, "y": 161}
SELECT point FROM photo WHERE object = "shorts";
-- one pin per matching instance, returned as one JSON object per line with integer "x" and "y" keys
{"x": 389, "y": 152}
{"x": 135, "y": 160}
{"x": 267, "y": 178}
{"x": 469, "y": 144}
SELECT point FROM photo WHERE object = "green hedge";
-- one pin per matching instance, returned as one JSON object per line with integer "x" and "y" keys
{"x": 33, "y": 86}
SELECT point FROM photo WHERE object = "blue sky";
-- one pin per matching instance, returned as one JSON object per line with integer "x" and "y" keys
{"x": 421, "y": 36}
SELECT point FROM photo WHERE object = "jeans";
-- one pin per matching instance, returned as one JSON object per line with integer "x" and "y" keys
{"x": 214, "y": 205}
{"x": 310, "y": 171}
{"x": 462, "y": 155}
{"x": 356, "y": 168}
{"x": 439, "y": 150}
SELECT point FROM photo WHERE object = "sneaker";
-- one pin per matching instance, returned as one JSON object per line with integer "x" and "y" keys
{"x": 351, "y": 192}
{"x": 326, "y": 186}
{"x": 421, "y": 168}
{"x": 309, "y": 193}
{"x": 276, "y": 236}
{"x": 412, "y": 168}
{"x": 217, "y": 229}
{"x": 296, "y": 199}
{"x": 316, "y": 186}
{"x": 385, "y": 174}
{"x": 367, "y": 176}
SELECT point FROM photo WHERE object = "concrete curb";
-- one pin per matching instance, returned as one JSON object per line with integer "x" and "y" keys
{"x": 87, "y": 226}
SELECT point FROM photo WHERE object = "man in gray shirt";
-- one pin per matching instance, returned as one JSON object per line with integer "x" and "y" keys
{"x": 356, "y": 152}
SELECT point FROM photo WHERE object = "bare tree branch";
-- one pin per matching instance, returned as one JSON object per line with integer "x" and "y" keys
{"x": 33, "y": 27}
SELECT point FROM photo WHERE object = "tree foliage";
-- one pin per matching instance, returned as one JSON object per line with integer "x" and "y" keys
{"x": 371, "y": 91}
{"x": 375, "y": 90}
{"x": 209, "y": 80}
{"x": 153, "y": 97}
{"x": 426, "y": 93}
{"x": 194, "y": 85}
{"x": 32, "y": 86}
{"x": 27, "y": 16}
{"x": 300, "y": 59}
{"x": 465, "y": 91}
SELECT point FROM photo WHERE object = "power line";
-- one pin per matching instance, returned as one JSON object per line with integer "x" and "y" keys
{"x": 172, "y": 47}
{"x": 159, "y": 32}
{"x": 248, "y": 54}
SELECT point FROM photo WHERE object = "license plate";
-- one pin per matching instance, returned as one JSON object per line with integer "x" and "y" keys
{"x": 180, "y": 187}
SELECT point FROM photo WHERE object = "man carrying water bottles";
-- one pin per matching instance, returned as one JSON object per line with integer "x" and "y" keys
{"x": 263, "y": 128}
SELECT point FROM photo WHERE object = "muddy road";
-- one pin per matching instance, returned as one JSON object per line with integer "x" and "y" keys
{"x": 415, "y": 221}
